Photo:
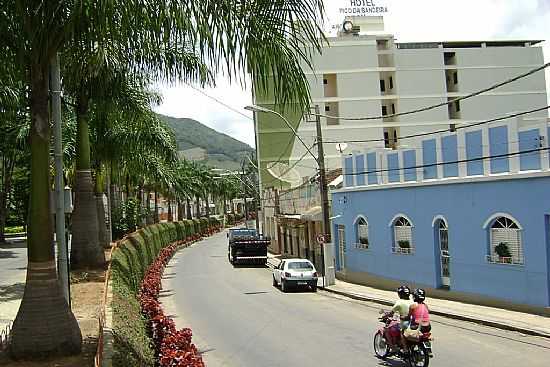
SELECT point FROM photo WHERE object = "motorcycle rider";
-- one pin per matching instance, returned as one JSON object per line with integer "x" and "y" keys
{"x": 402, "y": 307}
{"x": 420, "y": 314}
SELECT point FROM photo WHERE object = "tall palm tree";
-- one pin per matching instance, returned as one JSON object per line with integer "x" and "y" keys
{"x": 268, "y": 39}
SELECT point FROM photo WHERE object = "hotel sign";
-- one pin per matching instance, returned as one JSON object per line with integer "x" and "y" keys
{"x": 364, "y": 8}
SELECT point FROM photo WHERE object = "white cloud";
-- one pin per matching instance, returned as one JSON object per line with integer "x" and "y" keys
{"x": 409, "y": 20}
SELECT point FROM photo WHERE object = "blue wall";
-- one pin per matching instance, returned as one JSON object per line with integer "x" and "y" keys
{"x": 466, "y": 207}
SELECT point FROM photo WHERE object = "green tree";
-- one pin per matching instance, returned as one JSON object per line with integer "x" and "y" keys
{"x": 268, "y": 39}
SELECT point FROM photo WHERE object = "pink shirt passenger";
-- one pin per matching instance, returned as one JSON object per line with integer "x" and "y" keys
{"x": 420, "y": 313}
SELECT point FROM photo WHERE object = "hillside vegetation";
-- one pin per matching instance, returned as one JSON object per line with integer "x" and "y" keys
{"x": 223, "y": 151}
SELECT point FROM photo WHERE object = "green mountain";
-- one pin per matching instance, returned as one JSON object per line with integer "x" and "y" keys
{"x": 222, "y": 150}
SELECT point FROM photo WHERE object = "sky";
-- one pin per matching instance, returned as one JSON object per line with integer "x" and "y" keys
{"x": 408, "y": 20}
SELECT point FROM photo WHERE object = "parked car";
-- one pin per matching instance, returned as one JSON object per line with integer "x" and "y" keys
{"x": 295, "y": 273}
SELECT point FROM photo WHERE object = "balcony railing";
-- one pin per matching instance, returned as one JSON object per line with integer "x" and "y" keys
{"x": 402, "y": 250}
{"x": 362, "y": 246}
{"x": 513, "y": 260}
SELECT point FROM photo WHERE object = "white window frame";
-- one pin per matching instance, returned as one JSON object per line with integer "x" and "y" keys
{"x": 358, "y": 244}
{"x": 401, "y": 224}
{"x": 502, "y": 225}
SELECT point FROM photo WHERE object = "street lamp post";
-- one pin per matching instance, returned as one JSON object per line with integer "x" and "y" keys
{"x": 320, "y": 160}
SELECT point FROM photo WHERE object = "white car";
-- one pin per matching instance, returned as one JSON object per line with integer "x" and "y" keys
{"x": 295, "y": 273}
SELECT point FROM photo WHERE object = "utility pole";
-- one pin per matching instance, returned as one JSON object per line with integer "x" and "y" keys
{"x": 62, "y": 251}
{"x": 244, "y": 193}
{"x": 322, "y": 189}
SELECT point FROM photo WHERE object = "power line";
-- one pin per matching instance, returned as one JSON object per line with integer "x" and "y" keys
{"x": 428, "y": 108}
{"x": 218, "y": 101}
{"x": 446, "y": 130}
{"x": 290, "y": 168}
{"x": 451, "y": 162}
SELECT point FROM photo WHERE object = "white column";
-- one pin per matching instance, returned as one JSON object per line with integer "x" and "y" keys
{"x": 354, "y": 176}
{"x": 383, "y": 159}
{"x": 401, "y": 165}
{"x": 485, "y": 150}
{"x": 419, "y": 160}
{"x": 513, "y": 146}
{"x": 439, "y": 156}
{"x": 545, "y": 154}
{"x": 461, "y": 146}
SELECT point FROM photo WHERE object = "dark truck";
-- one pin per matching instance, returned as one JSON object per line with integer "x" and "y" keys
{"x": 246, "y": 246}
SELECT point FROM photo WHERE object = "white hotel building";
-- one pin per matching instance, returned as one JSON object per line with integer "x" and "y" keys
{"x": 371, "y": 74}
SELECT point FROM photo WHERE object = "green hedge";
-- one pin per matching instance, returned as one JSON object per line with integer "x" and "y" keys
{"x": 133, "y": 347}
{"x": 204, "y": 224}
{"x": 214, "y": 221}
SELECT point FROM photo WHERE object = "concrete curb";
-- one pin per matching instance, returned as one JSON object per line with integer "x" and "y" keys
{"x": 108, "y": 335}
{"x": 497, "y": 325}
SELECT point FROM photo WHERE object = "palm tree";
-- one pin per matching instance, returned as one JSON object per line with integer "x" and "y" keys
{"x": 268, "y": 39}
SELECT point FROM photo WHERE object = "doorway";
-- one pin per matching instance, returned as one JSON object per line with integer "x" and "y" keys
{"x": 341, "y": 246}
{"x": 442, "y": 236}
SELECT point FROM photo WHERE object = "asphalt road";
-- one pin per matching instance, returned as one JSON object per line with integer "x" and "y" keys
{"x": 239, "y": 319}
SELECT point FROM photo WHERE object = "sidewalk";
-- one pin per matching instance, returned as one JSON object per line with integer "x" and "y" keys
{"x": 499, "y": 318}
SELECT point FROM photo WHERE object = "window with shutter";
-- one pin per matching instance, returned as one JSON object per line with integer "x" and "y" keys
{"x": 506, "y": 246}
{"x": 402, "y": 243}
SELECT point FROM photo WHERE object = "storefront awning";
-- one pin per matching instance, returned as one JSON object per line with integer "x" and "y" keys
{"x": 290, "y": 216}
{"x": 313, "y": 214}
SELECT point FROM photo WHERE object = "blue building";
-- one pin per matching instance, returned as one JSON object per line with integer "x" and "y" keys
{"x": 443, "y": 216}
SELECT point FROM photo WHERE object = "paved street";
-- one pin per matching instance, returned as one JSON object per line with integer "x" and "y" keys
{"x": 13, "y": 269}
{"x": 239, "y": 319}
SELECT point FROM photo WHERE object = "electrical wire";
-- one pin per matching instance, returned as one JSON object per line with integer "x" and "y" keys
{"x": 497, "y": 156}
{"x": 218, "y": 101}
{"x": 445, "y": 130}
{"x": 428, "y": 108}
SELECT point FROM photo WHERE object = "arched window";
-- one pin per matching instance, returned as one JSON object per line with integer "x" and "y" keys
{"x": 402, "y": 235}
{"x": 506, "y": 246}
{"x": 362, "y": 234}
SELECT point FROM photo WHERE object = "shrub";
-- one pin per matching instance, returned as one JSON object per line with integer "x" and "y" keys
{"x": 404, "y": 244}
{"x": 14, "y": 229}
{"x": 503, "y": 250}
{"x": 203, "y": 224}
{"x": 126, "y": 218}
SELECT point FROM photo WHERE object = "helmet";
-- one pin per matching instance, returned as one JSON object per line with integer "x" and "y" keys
{"x": 419, "y": 295}
{"x": 404, "y": 292}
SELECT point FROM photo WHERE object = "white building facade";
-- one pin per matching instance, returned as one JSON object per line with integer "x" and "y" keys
{"x": 368, "y": 75}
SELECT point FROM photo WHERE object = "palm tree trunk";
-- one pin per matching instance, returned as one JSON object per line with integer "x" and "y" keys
{"x": 198, "y": 213}
{"x": 44, "y": 324}
{"x": 99, "y": 196}
{"x": 207, "y": 210}
{"x": 156, "y": 206}
{"x": 109, "y": 206}
{"x": 180, "y": 210}
{"x": 86, "y": 250}
{"x": 149, "y": 215}
{"x": 188, "y": 209}
{"x": 170, "y": 214}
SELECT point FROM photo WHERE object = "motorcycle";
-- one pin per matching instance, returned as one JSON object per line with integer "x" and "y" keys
{"x": 387, "y": 342}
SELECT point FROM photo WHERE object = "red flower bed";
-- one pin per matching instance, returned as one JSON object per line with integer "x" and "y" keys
{"x": 173, "y": 347}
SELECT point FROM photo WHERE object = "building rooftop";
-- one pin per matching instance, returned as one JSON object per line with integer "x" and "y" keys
{"x": 468, "y": 44}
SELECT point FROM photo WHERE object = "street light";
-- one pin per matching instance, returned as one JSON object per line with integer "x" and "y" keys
{"x": 320, "y": 159}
